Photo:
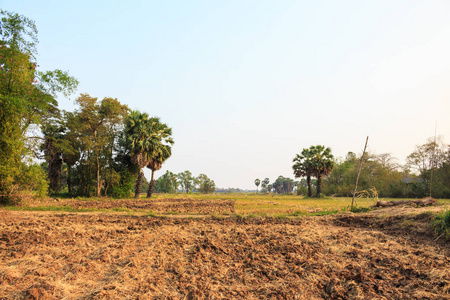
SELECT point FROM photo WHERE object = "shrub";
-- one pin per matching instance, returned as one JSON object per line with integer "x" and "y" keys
{"x": 441, "y": 224}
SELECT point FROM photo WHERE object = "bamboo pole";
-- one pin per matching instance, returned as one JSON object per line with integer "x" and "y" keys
{"x": 433, "y": 159}
{"x": 359, "y": 172}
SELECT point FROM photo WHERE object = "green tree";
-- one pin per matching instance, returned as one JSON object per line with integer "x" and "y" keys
{"x": 430, "y": 162}
{"x": 303, "y": 167}
{"x": 283, "y": 185}
{"x": 139, "y": 141}
{"x": 53, "y": 147}
{"x": 316, "y": 161}
{"x": 27, "y": 97}
{"x": 205, "y": 184}
{"x": 186, "y": 181}
{"x": 167, "y": 183}
{"x": 379, "y": 171}
{"x": 161, "y": 149}
{"x": 257, "y": 182}
{"x": 113, "y": 115}
{"x": 427, "y": 156}
{"x": 93, "y": 131}
{"x": 323, "y": 163}
{"x": 264, "y": 184}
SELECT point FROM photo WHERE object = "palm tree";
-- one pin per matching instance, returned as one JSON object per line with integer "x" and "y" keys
{"x": 139, "y": 142}
{"x": 264, "y": 183}
{"x": 323, "y": 162}
{"x": 257, "y": 182}
{"x": 316, "y": 161}
{"x": 303, "y": 167}
{"x": 161, "y": 150}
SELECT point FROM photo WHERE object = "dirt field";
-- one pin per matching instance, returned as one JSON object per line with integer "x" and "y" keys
{"x": 46, "y": 255}
{"x": 160, "y": 205}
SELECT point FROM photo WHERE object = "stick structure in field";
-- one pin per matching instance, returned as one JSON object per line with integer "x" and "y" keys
{"x": 359, "y": 172}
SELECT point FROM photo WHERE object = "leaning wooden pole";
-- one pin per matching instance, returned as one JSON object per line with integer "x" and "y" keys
{"x": 433, "y": 159}
{"x": 359, "y": 172}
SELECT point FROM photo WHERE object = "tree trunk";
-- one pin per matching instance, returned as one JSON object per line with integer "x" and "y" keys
{"x": 54, "y": 173}
{"x": 151, "y": 186}
{"x": 319, "y": 185}
{"x": 69, "y": 180}
{"x": 308, "y": 183}
{"x": 138, "y": 184}
{"x": 97, "y": 193}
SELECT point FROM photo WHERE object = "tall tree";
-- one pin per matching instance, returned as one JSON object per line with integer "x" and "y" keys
{"x": 427, "y": 156}
{"x": 303, "y": 167}
{"x": 97, "y": 125}
{"x": 323, "y": 163}
{"x": 149, "y": 141}
{"x": 186, "y": 180}
{"x": 426, "y": 160}
{"x": 257, "y": 182}
{"x": 161, "y": 149}
{"x": 53, "y": 147}
{"x": 264, "y": 183}
{"x": 139, "y": 142}
{"x": 314, "y": 161}
{"x": 205, "y": 184}
{"x": 167, "y": 183}
{"x": 27, "y": 97}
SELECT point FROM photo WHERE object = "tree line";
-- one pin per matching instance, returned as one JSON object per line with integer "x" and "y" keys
{"x": 184, "y": 182}
{"x": 98, "y": 149}
{"x": 427, "y": 171}
{"x": 428, "y": 166}
{"x": 102, "y": 147}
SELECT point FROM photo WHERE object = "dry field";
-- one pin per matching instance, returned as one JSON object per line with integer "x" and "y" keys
{"x": 158, "y": 205}
{"x": 49, "y": 255}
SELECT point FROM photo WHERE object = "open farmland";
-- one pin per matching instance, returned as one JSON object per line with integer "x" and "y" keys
{"x": 199, "y": 204}
{"x": 103, "y": 255}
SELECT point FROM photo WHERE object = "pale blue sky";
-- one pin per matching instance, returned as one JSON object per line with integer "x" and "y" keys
{"x": 246, "y": 85}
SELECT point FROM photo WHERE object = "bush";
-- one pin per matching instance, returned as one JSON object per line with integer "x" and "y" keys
{"x": 441, "y": 224}
{"x": 302, "y": 190}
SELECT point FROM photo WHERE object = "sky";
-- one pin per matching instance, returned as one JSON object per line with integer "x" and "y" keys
{"x": 246, "y": 85}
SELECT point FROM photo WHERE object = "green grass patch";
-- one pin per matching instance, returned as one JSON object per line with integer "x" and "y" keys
{"x": 151, "y": 214}
{"x": 359, "y": 209}
{"x": 318, "y": 213}
{"x": 441, "y": 224}
{"x": 49, "y": 208}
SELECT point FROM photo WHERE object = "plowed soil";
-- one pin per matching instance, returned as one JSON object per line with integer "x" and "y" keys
{"x": 186, "y": 205}
{"x": 113, "y": 256}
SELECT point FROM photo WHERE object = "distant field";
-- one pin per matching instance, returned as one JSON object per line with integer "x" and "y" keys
{"x": 206, "y": 204}
{"x": 266, "y": 204}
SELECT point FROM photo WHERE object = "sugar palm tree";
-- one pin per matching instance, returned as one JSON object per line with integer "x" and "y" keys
{"x": 303, "y": 167}
{"x": 161, "y": 150}
{"x": 138, "y": 140}
{"x": 323, "y": 163}
{"x": 317, "y": 161}
{"x": 257, "y": 182}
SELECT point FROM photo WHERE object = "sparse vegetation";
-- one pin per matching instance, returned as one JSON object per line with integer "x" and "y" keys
{"x": 441, "y": 224}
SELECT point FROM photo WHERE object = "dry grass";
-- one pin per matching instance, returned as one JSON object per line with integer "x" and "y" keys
{"x": 109, "y": 256}
{"x": 158, "y": 205}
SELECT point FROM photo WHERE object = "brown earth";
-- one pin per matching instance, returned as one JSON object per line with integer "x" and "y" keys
{"x": 113, "y": 256}
{"x": 186, "y": 205}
